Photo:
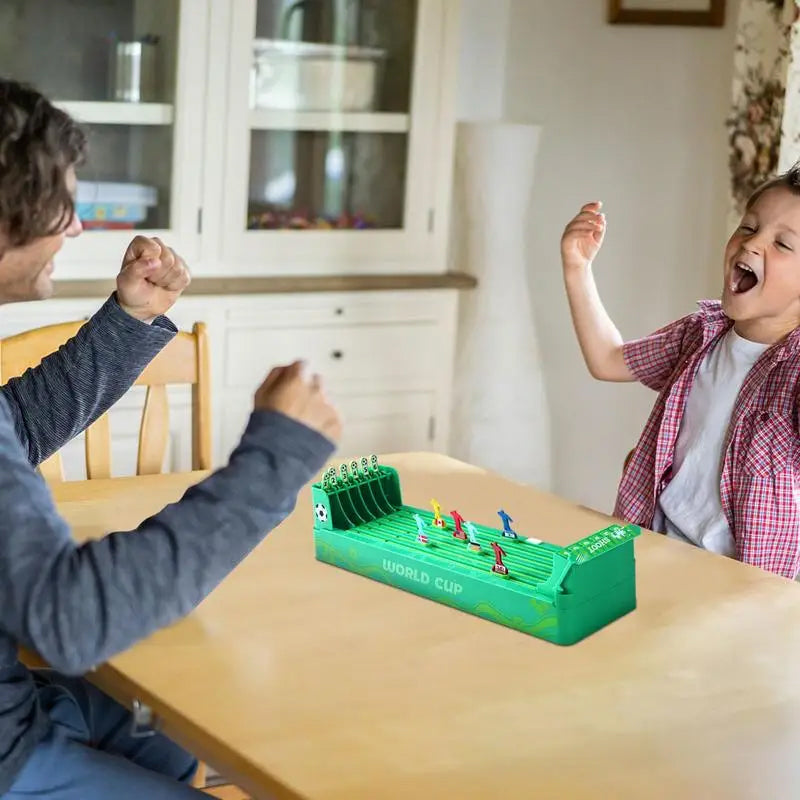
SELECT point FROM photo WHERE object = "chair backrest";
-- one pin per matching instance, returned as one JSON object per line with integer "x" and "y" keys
{"x": 183, "y": 361}
{"x": 627, "y": 460}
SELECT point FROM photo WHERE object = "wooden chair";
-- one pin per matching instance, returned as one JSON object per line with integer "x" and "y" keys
{"x": 627, "y": 460}
{"x": 183, "y": 360}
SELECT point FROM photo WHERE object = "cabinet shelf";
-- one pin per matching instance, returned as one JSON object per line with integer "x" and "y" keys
{"x": 111, "y": 113}
{"x": 372, "y": 122}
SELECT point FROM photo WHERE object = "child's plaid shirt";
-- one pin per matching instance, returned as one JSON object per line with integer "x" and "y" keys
{"x": 760, "y": 466}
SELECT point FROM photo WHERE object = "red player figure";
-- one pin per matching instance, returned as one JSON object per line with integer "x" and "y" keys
{"x": 458, "y": 520}
{"x": 498, "y": 566}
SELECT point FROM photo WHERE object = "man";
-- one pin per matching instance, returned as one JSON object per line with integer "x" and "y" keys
{"x": 77, "y": 605}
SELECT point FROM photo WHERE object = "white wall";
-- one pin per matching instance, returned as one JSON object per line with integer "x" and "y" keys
{"x": 482, "y": 59}
{"x": 633, "y": 116}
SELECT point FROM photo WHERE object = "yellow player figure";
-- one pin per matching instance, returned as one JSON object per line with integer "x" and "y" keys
{"x": 438, "y": 520}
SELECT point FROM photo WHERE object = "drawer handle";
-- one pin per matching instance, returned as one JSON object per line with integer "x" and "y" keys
{"x": 337, "y": 354}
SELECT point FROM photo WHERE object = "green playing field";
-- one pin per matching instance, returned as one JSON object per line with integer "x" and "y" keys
{"x": 527, "y": 562}
{"x": 561, "y": 594}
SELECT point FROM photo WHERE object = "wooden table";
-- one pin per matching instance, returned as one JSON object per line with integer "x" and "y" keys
{"x": 297, "y": 679}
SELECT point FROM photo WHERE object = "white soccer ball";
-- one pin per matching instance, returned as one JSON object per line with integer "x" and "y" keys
{"x": 321, "y": 511}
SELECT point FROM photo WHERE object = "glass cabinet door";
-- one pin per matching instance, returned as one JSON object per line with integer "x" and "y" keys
{"x": 113, "y": 65}
{"x": 334, "y": 107}
{"x": 329, "y": 94}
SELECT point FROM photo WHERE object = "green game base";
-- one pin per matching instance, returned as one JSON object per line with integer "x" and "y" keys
{"x": 557, "y": 594}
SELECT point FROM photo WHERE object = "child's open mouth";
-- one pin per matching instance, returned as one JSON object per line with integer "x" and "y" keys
{"x": 743, "y": 278}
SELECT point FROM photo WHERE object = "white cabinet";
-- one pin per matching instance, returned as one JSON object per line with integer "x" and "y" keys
{"x": 338, "y": 135}
{"x": 386, "y": 360}
{"x": 151, "y": 149}
{"x": 273, "y": 139}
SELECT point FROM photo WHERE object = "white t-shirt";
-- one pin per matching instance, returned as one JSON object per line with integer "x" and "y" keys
{"x": 689, "y": 508}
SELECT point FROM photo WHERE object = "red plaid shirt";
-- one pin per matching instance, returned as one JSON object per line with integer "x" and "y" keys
{"x": 760, "y": 480}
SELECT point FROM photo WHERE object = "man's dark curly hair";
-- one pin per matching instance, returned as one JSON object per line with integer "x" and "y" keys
{"x": 38, "y": 145}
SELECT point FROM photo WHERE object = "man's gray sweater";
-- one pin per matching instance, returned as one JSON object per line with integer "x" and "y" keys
{"x": 77, "y": 605}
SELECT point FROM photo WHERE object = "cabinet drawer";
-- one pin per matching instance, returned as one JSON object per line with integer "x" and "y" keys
{"x": 393, "y": 423}
{"x": 401, "y": 356}
{"x": 379, "y": 423}
{"x": 337, "y": 309}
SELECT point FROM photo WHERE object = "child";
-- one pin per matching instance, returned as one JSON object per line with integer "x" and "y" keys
{"x": 718, "y": 463}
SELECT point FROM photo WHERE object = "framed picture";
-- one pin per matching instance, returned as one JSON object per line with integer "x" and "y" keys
{"x": 667, "y": 12}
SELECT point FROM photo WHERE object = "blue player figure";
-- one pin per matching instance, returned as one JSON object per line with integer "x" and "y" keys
{"x": 474, "y": 544}
{"x": 507, "y": 532}
{"x": 422, "y": 536}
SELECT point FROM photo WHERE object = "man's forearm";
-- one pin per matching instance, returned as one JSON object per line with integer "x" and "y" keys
{"x": 52, "y": 403}
{"x": 79, "y": 605}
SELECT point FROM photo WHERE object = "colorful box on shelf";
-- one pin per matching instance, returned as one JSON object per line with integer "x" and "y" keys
{"x": 560, "y": 594}
{"x": 102, "y": 201}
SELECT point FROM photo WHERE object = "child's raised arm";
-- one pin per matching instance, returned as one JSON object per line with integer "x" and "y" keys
{"x": 598, "y": 337}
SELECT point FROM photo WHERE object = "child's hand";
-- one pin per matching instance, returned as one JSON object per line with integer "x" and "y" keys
{"x": 582, "y": 237}
{"x": 289, "y": 391}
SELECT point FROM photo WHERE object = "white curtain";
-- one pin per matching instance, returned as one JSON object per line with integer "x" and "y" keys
{"x": 764, "y": 124}
{"x": 500, "y": 418}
